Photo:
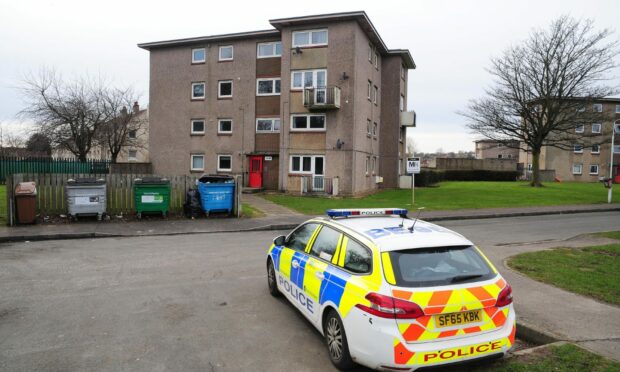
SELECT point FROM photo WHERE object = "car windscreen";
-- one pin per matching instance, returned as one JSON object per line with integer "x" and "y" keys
{"x": 427, "y": 267}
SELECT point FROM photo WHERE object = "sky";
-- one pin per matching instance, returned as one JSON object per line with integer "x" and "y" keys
{"x": 451, "y": 43}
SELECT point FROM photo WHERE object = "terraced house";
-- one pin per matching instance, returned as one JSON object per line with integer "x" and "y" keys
{"x": 316, "y": 104}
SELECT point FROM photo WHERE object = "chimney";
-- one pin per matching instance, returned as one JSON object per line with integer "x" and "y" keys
{"x": 124, "y": 111}
{"x": 136, "y": 107}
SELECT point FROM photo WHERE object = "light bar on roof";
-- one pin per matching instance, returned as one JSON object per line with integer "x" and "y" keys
{"x": 367, "y": 212}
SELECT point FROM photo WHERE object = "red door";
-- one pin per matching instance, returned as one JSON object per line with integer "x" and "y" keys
{"x": 617, "y": 180}
{"x": 256, "y": 171}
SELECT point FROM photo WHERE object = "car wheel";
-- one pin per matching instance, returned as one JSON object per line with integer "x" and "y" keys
{"x": 271, "y": 280}
{"x": 336, "y": 340}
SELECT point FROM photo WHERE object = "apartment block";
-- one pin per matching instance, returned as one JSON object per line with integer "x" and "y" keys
{"x": 586, "y": 163}
{"x": 490, "y": 149}
{"x": 316, "y": 103}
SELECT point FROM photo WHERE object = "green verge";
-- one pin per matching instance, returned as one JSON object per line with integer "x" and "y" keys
{"x": 590, "y": 271}
{"x": 3, "y": 207}
{"x": 250, "y": 212}
{"x": 610, "y": 234}
{"x": 567, "y": 357}
{"x": 456, "y": 195}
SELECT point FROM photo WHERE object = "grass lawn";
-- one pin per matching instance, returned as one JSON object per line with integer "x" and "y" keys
{"x": 3, "y": 211}
{"x": 567, "y": 357}
{"x": 610, "y": 234}
{"x": 590, "y": 271}
{"x": 249, "y": 212}
{"x": 458, "y": 195}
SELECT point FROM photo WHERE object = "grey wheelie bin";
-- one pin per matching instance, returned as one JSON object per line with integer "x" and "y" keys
{"x": 86, "y": 196}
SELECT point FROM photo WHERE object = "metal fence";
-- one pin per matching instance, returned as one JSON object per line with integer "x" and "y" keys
{"x": 316, "y": 185}
{"x": 15, "y": 165}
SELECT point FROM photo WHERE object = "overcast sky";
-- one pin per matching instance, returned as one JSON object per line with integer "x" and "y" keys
{"x": 451, "y": 43}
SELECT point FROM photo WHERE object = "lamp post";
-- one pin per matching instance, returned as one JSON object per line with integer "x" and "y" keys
{"x": 611, "y": 164}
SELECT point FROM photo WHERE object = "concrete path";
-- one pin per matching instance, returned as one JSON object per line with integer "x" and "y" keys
{"x": 269, "y": 208}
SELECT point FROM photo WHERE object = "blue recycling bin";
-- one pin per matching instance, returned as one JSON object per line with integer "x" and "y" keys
{"x": 217, "y": 193}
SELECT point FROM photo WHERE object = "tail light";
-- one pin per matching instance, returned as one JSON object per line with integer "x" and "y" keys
{"x": 505, "y": 296}
{"x": 389, "y": 307}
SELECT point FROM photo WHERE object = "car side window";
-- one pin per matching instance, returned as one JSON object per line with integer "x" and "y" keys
{"x": 358, "y": 258}
{"x": 325, "y": 244}
{"x": 298, "y": 239}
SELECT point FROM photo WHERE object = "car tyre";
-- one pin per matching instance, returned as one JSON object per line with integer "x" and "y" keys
{"x": 336, "y": 340}
{"x": 271, "y": 279}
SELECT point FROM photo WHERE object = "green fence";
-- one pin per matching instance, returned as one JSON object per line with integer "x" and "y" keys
{"x": 16, "y": 165}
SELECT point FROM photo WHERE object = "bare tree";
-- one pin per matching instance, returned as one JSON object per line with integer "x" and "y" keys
{"x": 127, "y": 127}
{"x": 412, "y": 146}
{"x": 544, "y": 87}
{"x": 69, "y": 113}
{"x": 39, "y": 143}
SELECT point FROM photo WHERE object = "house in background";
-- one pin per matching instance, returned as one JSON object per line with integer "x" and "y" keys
{"x": 490, "y": 149}
{"x": 314, "y": 99}
{"x": 585, "y": 164}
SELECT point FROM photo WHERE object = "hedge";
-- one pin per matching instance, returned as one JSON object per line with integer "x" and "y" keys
{"x": 430, "y": 177}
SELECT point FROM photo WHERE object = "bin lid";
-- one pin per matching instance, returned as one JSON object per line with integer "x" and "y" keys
{"x": 152, "y": 181}
{"x": 26, "y": 188}
{"x": 85, "y": 181}
{"x": 216, "y": 178}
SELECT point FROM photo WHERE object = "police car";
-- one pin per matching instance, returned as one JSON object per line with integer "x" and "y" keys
{"x": 393, "y": 293}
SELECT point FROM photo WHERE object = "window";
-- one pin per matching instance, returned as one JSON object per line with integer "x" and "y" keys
{"x": 368, "y": 127}
{"x": 267, "y": 50}
{"x": 401, "y": 134}
{"x": 309, "y": 38}
{"x": 529, "y": 167}
{"x": 499, "y": 156}
{"x": 226, "y": 53}
{"x": 224, "y": 163}
{"x": 308, "y": 79}
{"x": 402, "y": 103}
{"x": 369, "y": 89}
{"x": 357, "y": 258}
{"x": 267, "y": 125}
{"x": 197, "y": 162}
{"x": 579, "y": 128}
{"x": 298, "y": 239}
{"x": 224, "y": 126}
{"x": 367, "y": 165}
{"x": 371, "y": 50}
{"x": 596, "y": 128}
{"x": 594, "y": 169}
{"x": 373, "y": 165}
{"x": 577, "y": 148}
{"x": 308, "y": 122}
{"x": 198, "y": 126}
{"x": 307, "y": 164}
{"x": 224, "y": 89}
{"x": 577, "y": 168}
{"x": 198, "y": 90}
{"x": 581, "y": 109}
{"x": 617, "y": 127}
{"x": 132, "y": 155}
{"x": 402, "y": 72}
{"x": 374, "y": 129}
{"x": 199, "y": 55}
{"x": 597, "y": 107}
{"x": 325, "y": 244}
{"x": 375, "y": 97}
{"x": 375, "y": 60}
{"x": 268, "y": 87}
{"x": 617, "y": 109}
{"x": 132, "y": 134}
{"x": 596, "y": 149}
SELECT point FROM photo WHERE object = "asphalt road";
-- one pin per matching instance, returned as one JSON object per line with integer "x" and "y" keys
{"x": 195, "y": 302}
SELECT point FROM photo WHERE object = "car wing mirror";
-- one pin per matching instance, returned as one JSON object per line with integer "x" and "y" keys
{"x": 280, "y": 240}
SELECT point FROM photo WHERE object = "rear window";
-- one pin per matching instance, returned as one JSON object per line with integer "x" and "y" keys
{"x": 427, "y": 267}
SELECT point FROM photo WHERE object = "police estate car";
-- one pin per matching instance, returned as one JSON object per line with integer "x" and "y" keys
{"x": 393, "y": 293}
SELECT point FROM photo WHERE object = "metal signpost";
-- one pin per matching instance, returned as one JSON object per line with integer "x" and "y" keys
{"x": 413, "y": 168}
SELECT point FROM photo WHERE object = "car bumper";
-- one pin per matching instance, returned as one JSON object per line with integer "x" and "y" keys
{"x": 376, "y": 343}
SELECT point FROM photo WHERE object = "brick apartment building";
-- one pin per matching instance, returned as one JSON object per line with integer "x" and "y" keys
{"x": 490, "y": 149}
{"x": 586, "y": 164}
{"x": 314, "y": 99}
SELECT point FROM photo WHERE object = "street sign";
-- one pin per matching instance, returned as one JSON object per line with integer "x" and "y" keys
{"x": 413, "y": 165}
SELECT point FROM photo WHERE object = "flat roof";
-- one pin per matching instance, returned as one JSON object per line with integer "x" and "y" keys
{"x": 202, "y": 39}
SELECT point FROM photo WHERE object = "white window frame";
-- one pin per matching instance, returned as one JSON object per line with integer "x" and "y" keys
{"x": 374, "y": 129}
{"x": 219, "y": 88}
{"x": 617, "y": 127}
{"x": 371, "y": 51}
{"x": 590, "y": 169}
{"x": 191, "y": 162}
{"x": 132, "y": 158}
{"x": 308, "y": 129}
{"x": 369, "y": 90}
{"x": 273, "y": 49}
{"x": 197, "y": 61}
{"x": 272, "y": 125}
{"x": 367, "y": 165}
{"x": 232, "y": 53}
{"x": 135, "y": 134}
{"x": 204, "y": 126}
{"x": 219, "y": 157}
{"x": 219, "y": 126}
{"x": 578, "y": 148}
{"x": 580, "y": 128}
{"x": 375, "y": 61}
{"x": 301, "y": 164}
{"x": 314, "y": 79}
{"x": 402, "y": 72}
{"x": 599, "y": 126}
{"x": 402, "y": 103}
{"x": 375, "y": 93}
{"x": 310, "y": 43}
{"x": 617, "y": 109}
{"x": 373, "y": 165}
{"x": 273, "y": 90}
{"x": 598, "y": 149}
{"x": 597, "y": 107}
{"x": 204, "y": 89}
{"x": 578, "y": 166}
{"x": 368, "y": 127}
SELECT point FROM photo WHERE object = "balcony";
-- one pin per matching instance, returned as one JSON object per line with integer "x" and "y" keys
{"x": 407, "y": 118}
{"x": 322, "y": 98}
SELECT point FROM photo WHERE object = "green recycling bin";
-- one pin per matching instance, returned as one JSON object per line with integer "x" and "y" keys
{"x": 151, "y": 195}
